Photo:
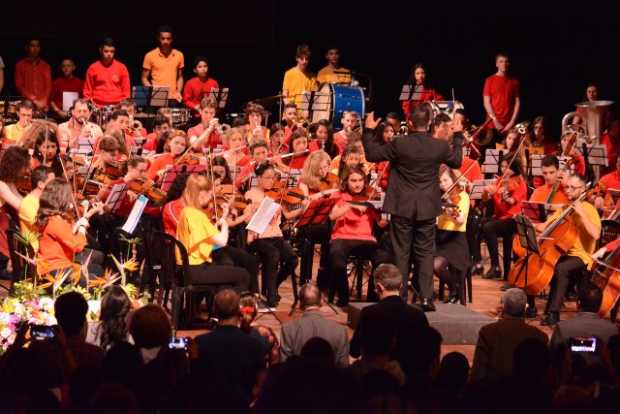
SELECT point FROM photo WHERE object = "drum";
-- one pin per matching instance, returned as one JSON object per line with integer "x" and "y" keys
{"x": 179, "y": 117}
{"x": 102, "y": 115}
{"x": 446, "y": 107}
{"x": 8, "y": 109}
{"x": 332, "y": 100}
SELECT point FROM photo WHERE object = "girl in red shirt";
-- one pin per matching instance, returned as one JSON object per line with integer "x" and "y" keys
{"x": 322, "y": 138}
{"x": 352, "y": 231}
{"x": 421, "y": 91}
{"x": 299, "y": 146}
{"x": 175, "y": 146}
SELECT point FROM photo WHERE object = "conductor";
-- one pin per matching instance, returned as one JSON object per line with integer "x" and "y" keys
{"x": 413, "y": 196}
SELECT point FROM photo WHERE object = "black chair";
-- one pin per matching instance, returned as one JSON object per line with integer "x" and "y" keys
{"x": 21, "y": 268}
{"x": 360, "y": 265}
{"x": 161, "y": 265}
{"x": 465, "y": 292}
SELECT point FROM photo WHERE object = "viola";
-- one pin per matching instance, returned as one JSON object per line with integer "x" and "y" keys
{"x": 329, "y": 182}
{"x": 147, "y": 187}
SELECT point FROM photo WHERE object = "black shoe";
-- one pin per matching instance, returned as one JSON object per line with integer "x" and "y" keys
{"x": 531, "y": 312}
{"x": 494, "y": 273}
{"x": 477, "y": 269}
{"x": 550, "y": 320}
{"x": 427, "y": 305}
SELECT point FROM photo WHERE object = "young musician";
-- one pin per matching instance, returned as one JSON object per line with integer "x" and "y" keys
{"x": 386, "y": 132}
{"x": 451, "y": 258}
{"x": 350, "y": 122}
{"x": 209, "y": 122}
{"x": 421, "y": 91}
{"x": 47, "y": 152}
{"x": 259, "y": 153}
{"x": 29, "y": 207}
{"x": 198, "y": 87}
{"x": 174, "y": 147}
{"x": 611, "y": 140}
{"x": 352, "y": 156}
{"x": 107, "y": 80}
{"x": 256, "y": 131}
{"x": 13, "y": 133}
{"x": 322, "y": 138}
{"x": 352, "y": 231}
{"x": 552, "y": 191}
{"x": 270, "y": 245}
{"x": 237, "y": 154}
{"x": 512, "y": 145}
{"x": 163, "y": 66}
{"x": 507, "y": 196}
{"x": 289, "y": 120}
{"x": 70, "y": 132}
{"x": 333, "y": 72}
{"x": 33, "y": 76}
{"x": 442, "y": 126}
{"x": 579, "y": 257}
{"x": 501, "y": 96}
{"x": 299, "y": 146}
{"x": 199, "y": 236}
{"x": 278, "y": 142}
{"x": 298, "y": 79}
{"x": 109, "y": 155}
{"x": 575, "y": 163}
{"x": 68, "y": 82}
{"x": 540, "y": 141}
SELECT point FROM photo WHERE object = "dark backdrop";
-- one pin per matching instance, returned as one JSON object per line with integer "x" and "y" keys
{"x": 251, "y": 43}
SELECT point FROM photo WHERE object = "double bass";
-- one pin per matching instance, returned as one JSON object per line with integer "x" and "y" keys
{"x": 555, "y": 241}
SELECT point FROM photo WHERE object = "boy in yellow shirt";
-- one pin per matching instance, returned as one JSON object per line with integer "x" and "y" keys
{"x": 298, "y": 79}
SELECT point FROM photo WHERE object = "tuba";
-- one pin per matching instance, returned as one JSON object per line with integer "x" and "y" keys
{"x": 592, "y": 115}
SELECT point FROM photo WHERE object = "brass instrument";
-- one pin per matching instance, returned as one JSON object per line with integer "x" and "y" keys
{"x": 404, "y": 129}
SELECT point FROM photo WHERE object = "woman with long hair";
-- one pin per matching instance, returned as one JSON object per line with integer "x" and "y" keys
{"x": 112, "y": 327}
{"x": 174, "y": 147}
{"x": 322, "y": 138}
{"x": 47, "y": 152}
{"x": 420, "y": 89}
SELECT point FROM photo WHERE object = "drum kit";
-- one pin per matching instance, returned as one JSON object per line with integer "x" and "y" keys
{"x": 330, "y": 101}
{"x": 179, "y": 117}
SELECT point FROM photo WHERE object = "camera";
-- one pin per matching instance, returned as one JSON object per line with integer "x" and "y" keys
{"x": 179, "y": 343}
{"x": 41, "y": 332}
{"x": 583, "y": 344}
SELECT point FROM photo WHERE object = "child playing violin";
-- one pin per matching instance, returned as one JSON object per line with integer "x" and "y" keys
{"x": 451, "y": 257}
{"x": 352, "y": 231}
{"x": 274, "y": 252}
{"x": 174, "y": 147}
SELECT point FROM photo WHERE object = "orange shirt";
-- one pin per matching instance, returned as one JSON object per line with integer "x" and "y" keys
{"x": 164, "y": 69}
{"x": 33, "y": 78}
{"x": 57, "y": 245}
{"x": 472, "y": 173}
{"x": 158, "y": 163}
{"x": 611, "y": 180}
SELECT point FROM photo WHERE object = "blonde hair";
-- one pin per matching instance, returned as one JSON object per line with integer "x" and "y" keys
{"x": 195, "y": 184}
{"x": 234, "y": 131}
{"x": 310, "y": 175}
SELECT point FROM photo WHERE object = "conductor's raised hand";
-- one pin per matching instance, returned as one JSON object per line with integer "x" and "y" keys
{"x": 371, "y": 122}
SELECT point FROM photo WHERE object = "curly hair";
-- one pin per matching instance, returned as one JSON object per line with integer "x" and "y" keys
{"x": 56, "y": 200}
{"x": 13, "y": 164}
{"x": 115, "y": 306}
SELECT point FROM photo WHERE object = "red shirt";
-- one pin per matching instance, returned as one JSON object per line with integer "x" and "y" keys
{"x": 503, "y": 92}
{"x": 107, "y": 85}
{"x": 426, "y": 95}
{"x": 297, "y": 161}
{"x": 611, "y": 180}
{"x": 151, "y": 142}
{"x": 340, "y": 140}
{"x": 33, "y": 78}
{"x": 353, "y": 225}
{"x": 383, "y": 172}
{"x": 195, "y": 89}
{"x": 212, "y": 141}
{"x": 471, "y": 173}
{"x": 171, "y": 214}
{"x": 504, "y": 210}
{"x": 612, "y": 150}
{"x": 63, "y": 84}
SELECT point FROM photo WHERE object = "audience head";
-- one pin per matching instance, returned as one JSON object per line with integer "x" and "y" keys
{"x": 150, "y": 327}
{"x": 319, "y": 350}
{"x": 422, "y": 356}
{"x": 115, "y": 306}
{"x": 514, "y": 301}
{"x": 453, "y": 372}
{"x": 310, "y": 296}
{"x": 589, "y": 297}
{"x": 248, "y": 306}
{"x": 531, "y": 359}
{"x": 122, "y": 364}
{"x": 388, "y": 280}
{"x": 70, "y": 310}
{"x": 226, "y": 305}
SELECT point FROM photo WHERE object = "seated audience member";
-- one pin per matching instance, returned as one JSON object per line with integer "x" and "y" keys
{"x": 228, "y": 357}
{"x": 112, "y": 326}
{"x": 408, "y": 320}
{"x": 70, "y": 310}
{"x": 249, "y": 310}
{"x": 453, "y": 373}
{"x": 497, "y": 341}
{"x": 587, "y": 322}
{"x": 297, "y": 332}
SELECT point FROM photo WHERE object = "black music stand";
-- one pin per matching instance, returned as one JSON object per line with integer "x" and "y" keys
{"x": 492, "y": 160}
{"x": 527, "y": 238}
{"x": 219, "y": 96}
{"x": 172, "y": 173}
{"x": 150, "y": 96}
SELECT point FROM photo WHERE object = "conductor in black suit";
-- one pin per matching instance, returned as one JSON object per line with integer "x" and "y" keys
{"x": 413, "y": 196}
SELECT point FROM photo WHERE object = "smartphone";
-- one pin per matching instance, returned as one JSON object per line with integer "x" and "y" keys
{"x": 178, "y": 343}
{"x": 41, "y": 332}
{"x": 582, "y": 344}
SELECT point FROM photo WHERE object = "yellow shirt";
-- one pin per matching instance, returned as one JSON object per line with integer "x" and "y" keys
{"x": 296, "y": 83}
{"x": 14, "y": 132}
{"x": 585, "y": 244}
{"x": 28, "y": 210}
{"x": 445, "y": 223}
{"x": 327, "y": 75}
{"x": 193, "y": 231}
{"x": 164, "y": 69}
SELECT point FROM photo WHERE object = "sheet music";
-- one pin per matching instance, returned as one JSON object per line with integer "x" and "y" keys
{"x": 134, "y": 217}
{"x": 477, "y": 188}
{"x": 115, "y": 194}
{"x": 67, "y": 100}
{"x": 263, "y": 216}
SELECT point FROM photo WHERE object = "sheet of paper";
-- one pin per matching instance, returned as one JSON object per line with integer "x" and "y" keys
{"x": 263, "y": 216}
{"x": 67, "y": 100}
{"x": 115, "y": 194}
{"x": 134, "y": 217}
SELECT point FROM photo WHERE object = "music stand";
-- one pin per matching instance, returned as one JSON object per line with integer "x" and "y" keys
{"x": 527, "y": 238}
{"x": 219, "y": 96}
{"x": 597, "y": 155}
{"x": 477, "y": 188}
{"x": 150, "y": 96}
{"x": 492, "y": 159}
{"x": 406, "y": 93}
{"x": 536, "y": 164}
{"x": 171, "y": 174}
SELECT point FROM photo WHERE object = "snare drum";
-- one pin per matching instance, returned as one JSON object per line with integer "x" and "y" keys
{"x": 179, "y": 117}
{"x": 332, "y": 100}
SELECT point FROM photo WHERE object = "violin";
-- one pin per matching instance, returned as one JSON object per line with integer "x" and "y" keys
{"x": 227, "y": 191}
{"x": 147, "y": 187}
{"x": 329, "y": 182}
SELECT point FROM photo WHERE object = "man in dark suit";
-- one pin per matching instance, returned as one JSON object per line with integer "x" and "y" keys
{"x": 587, "y": 322}
{"x": 229, "y": 357}
{"x": 413, "y": 196}
{"x": 497, "y": 341}
{"x": 296, "y": 333}
{"x": 408, "y": 320}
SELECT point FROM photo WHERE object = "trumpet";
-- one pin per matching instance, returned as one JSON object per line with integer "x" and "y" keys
{"x": 522, "y": 127}
{"x": 136, "y": 125}
{"x": 404, "y": 129}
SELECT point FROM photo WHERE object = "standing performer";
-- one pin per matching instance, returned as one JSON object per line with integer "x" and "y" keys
{"x": 333, "y": 72}
{"x": 413, "y": 192}
{"x": 298, "y": 79}
{"x": 421, "y": 90}
{"x": 501, "y": 96}
{"x": 164, "y": 65}
{"x": 107, "y": 80}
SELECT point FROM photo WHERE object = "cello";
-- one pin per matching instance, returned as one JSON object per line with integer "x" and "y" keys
{"x": 606, "y": 275}
{"x": 555, "y": 241}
